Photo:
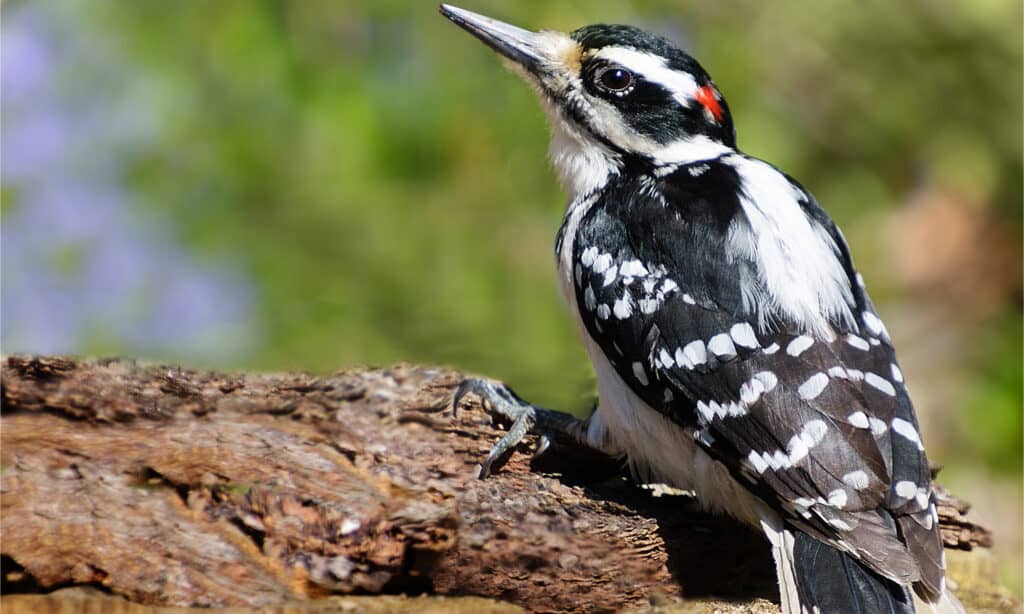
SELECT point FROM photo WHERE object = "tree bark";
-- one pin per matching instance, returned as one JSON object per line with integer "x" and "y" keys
{"x": 170, "y": 486}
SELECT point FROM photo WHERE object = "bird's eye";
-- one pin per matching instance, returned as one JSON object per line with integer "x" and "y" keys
{"x": 615, "y": 79}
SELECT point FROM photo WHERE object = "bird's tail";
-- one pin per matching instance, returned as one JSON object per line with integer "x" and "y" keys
{"x": 830, "y": 580}
{"x": 815, "y": 578}
{"x": 947, "y": 604}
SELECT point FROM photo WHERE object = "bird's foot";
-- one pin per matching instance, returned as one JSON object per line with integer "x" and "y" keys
{"x": 503, "y": 404}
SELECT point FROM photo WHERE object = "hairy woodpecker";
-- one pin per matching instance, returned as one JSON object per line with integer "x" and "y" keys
{"x": 737, "y": 352}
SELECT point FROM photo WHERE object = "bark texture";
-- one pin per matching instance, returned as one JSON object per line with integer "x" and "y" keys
{"x": 165, "y": 486}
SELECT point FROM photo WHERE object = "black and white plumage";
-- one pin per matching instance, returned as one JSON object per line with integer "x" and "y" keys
{"x": 737, "y": 351}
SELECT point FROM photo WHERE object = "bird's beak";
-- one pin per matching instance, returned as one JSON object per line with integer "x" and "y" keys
{"x": 521, "y": 46}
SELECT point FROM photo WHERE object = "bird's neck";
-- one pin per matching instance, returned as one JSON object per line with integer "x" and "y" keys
{"x": 584, "y": 166}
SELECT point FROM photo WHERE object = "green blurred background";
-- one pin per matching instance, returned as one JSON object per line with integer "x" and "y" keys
{"x": 321, "y": 184}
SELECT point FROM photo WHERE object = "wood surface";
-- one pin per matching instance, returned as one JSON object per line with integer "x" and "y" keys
{"x": 162, "y": 486}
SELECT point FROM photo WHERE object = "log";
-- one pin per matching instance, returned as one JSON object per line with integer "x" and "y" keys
{"x": 165, "y": 486}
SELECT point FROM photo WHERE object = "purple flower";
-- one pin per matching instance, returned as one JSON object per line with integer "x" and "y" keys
{"x": 26, "y": 55}
{"x": 82, "y": 267}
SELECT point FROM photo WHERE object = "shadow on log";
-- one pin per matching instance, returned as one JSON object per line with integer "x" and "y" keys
{"x": 173, "y": 487}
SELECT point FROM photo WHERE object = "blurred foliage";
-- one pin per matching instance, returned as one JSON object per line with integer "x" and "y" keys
{"x": 381, "y": 182}
{"x": 993, "y": 422}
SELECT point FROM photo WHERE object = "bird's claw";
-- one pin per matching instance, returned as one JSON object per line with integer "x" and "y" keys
{"x": 501, "y": 402}
{"x": 498, "y": 399}
{"x": 543, "y": 444}
{"x": 467, "y": 386}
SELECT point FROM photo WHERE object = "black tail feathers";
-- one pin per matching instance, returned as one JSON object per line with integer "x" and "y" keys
{"x": 837, "y": 583}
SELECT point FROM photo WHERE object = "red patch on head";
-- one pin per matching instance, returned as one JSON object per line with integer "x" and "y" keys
{"x": 708, "y": 98}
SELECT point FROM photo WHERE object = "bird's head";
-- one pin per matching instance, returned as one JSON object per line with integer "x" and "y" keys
{"x": 615, "y": 95}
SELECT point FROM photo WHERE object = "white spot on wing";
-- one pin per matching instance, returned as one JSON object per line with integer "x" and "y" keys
{"x": 799, "y": 345}
{"x": 837, "y": 498}
{"x": 734, "y": 409}
{"x": 721, "y": 346}
{"x": 873, "y": 323}
{"x": 768, "y": 379}
{"x": 859, "y": 419}
{"x": 623, "y": 308}
{"x": 610, "y": 275}
{"x": 858, "y": 342}
{"x": 696, "y": 352}
{"x": 666, "y": 358}
{"x": 907, "y": 430}
{"x": 905, "y": 489}
{"x": 602, "y": 263}
{"x": 743, "y": 335}
{"x": 879, "y": 383}
{"x": 800, "y": 444}
{"x": 837, "y": 372}
{"x": 603, "y": 311}
{"x": 589, "y": 299}
{"x": 632, "y": 268}
{"x": 797, "y": 448}
{"x": 878, "y": 427}
{"x": 588, "y": 256}
{"x": 814, "y": 431}
{"x": 760, "y": 465}
{"x": 750, "y": 392}
{"x": 857, "y": 480}
{"x": 706, "y": 411}
{"x": 813, "y": 386}
{"x": 778, "y": 460}
{"x": 897, "y": 375}
{"x": 771, "y": 349}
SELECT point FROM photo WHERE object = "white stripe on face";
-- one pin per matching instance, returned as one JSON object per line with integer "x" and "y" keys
{"x": 608, "y": 121}
{"x": 652, "y": 68}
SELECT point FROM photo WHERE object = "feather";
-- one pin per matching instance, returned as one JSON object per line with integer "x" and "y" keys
{"x": 811, "y": 416}
{"x": 834, "y": 581}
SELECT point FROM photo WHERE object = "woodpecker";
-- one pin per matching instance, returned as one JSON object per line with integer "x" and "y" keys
{"x": 737, "y": 352}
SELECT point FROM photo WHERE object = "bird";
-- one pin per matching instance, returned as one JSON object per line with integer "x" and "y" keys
{"x": 737, "y": 352}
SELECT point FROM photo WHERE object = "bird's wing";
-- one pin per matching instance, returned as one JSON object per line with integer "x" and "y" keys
{"x": 823, "y": 430}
